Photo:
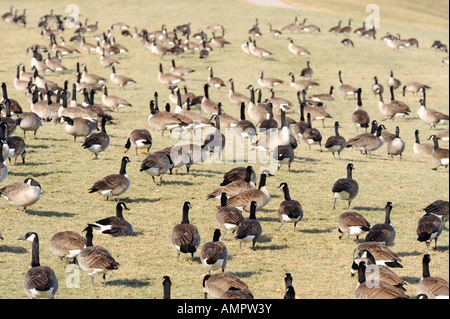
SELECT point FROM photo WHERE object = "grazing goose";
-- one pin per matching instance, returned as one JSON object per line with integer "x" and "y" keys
{"x": 249, "y": 230}
{"x": 120, "y": 80}
{"x": 336, "y": 143}
{"x": 297, "y": 50}
{"x": 311, "y": 135}
{"x": 393, "y": 82}
{"x": 228, "y": 217}
{"x": 208, "y": 106}
{"x": 385, "y": 232}
{"x": 40, "y": 281}
{"x": 377, "y": 87}
{"x": 237, "y": 173}
{"x": 383, "y": 255}
{"x": 156, "y": 164}
{"x": 180, "y": 70}
{"x": 345, "y": 188}
{"x": 219, "y": 285}
{"x": 163, "y": 120}
{"x": 439, "y": 208}
{"x": 96, "y": 259}
{"x": 23, "y": 194}
{"x": 185, "y": 237}
{"x": 268, "y": 83}
{"x": 214, "y": 254}
{"x": 415, "y": 87}
{"x": 261, "y": 195}
{"x": 429, "y": 227}
{"x": 383, "y": 290}
{"x": 168, "y": 78}
{"x": 214, "y": 81}
{"x": 289, "y": 211}
{"x": 431, "y": 116}
{"x": 245, "y": 128}
{"x": 432, "y": 287}
{"x": 139, "y": 138}
{"x": 347, "y": 42}
{"x": 97, "y": 142}
{"x": 367, "y": 142}
{"x": 352, "y": 224}
{"x": 439, "y": 155}
{"x": 346, "y": 89}
{"x": 67, "y": 244}
{"x": 114, "y": 184}
{"x": 290, "y": 291}
{"x": 79, "y": 127}
{"x": 422, "y": 149}
{"x": 236, "y": 97}
{"x": 17, "y": 147}
{"x": 235, "y": 187}
{"x": 396, "y": 146}
{"x": 115, "y": 226}
{"x": 113, "y": 101}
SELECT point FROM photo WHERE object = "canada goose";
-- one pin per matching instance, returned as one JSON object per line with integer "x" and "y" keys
{"x": 120, "y": 80}
{"x": 74, "y": 110}
{"x": 261, "y": 195}
{"x": 443, "y": 135}
{"x": 3, "y": 166}
{"x": 311, "y": 135}
{"x": 245, "y": 128}
{"x": 346, "y": 89}
{"x": 439, "y": 208}
{"x": 29, "y": 122}
{"x": 167, "y": 284}
{"x": 67, "y": 244}
{"x": 163, "y": 120}
{"x": 274, "y": 32}
{"x": 370, "y": 33}
{"x": 107, "y": 61}
{"x": 278, "y": 102}
{"x": 14, "y": 106}
{"x": 384, "y": 232}
{"x": 383, "y": 255}
{"x": 114, "y": 184}
{"x": 23, "y": 194}
{"x": 289, "y": 289}
{"x": 324, "y": 96}
{"x": 367, "y": 142}
{"x": 237, "y": 173}
{"x": 225, "y": 119}
{"x": 219, "y": 285}
{"x": 289, "y": 211}
{"x": 301, "y": 125}
{"x": 269, "y": 124}
{"x": 214, "y": 254}
{"x": 8, "y": 120}
{"x": 228, "y": 217}
{"x": 268, "y": 83}
{"x": 97, "y": 142}
{"x": 432, "y": 287}
{"x": 345, "y": 188}
{"x": 207, "y": 105}
{"x": 215, "y": 142}
{"x": 352, "y": 224}
{"x": 90, "y": 78}
{"x": 39, "y": 107}
{"x": 360, "y": 117}
{"x": 79, "y": 127}
{"x": 347, "y": 42}
{"x": 53, "y": 65}
{"x": 20, "y": 85}
{"x": 310, "y": 28}
{"x": 180, "y": 70}
{"x": 439, "y": 155}
{"x": 382, "y": 290}
{"x": 115, "y": 226}
{"x": 40, "y": 281}
{"x": 297, "y": 49}
{"x": 236, "y": 97}
{"x": 235, "y": 187}
{"x": 185, "y": 237}
{"x": 16, "y": 147}
{"x": 213, "y": 81}
{"x": 390, "y": 111}
{"x": 271, "y": 140}
{"x": 249, "y": 230}
{"x": 96, "y": 259}
{"x": 258, "y": 51}
{"x": 283, "y": 154}
{"x": 431, "y": 116}
{"x": 362, "y": 30}
{"x": 396, "y": 146}
{"x": 377, "y": 87}
{"x": 429, "y": 227}
{"x": 301, "y": 85}
{"x": 113, "y": 101}
{"x": 139, "y": 138}
{"x": 256, "y": 111}
{"x": 188, "y": 116}
{"x": 414, "y": 87}
{"x": 337, "y": 28}
{"x": 335, "y": 143}
{"x": 347, "y": 29}
{"x": 392, "y": 81}
{"x": 156, "y": 164}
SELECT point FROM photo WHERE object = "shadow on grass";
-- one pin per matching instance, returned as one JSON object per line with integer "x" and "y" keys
{"x": 136, "y": 283}
{"x": 166, "y": 182}
{"x": 36, "y": 174}
{"x": 370, "y": 209}
{"x": 49, "y": 213}
{"x": 316, "y": 231}
{"x": 12, "y": 249}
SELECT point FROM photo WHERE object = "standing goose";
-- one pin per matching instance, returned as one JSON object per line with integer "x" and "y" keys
{"x": 16, "y": 147}
{"x": 346, "y": 89}
{"x": 3, "y": 165}
{"x": 218, "y": 285}
{"x": 256, "y": 111}
{"x": 215, "y": 142}
{"x": 431, "y": 116}
{"x": 337, "y": 28}
{"x": 440, "y": 208}
{"x": 113, "y": 101}
{"x": 420, "y": 148}
{"x": 352, "y": 224}
{"x": 307, "y": 72}
{"x": 290, "y": 291}
{"x": 237, "y": 173}
{"x": 439, "y": 155}
{"x": 236, "y": 97}
{"x": 79, "y": 127}
{"x": 180, "y": 70}
{"x": 377, "y": 87}
{"x": 284, "y": 154}
{"x": 261, "y": 195}
{"x": 311, "y": 135}
{"x": 268, "y": 83}
{"x": 114, "y": 184}
{"x": 228, "y": 217}
{"x": 167, "y": 284}
{"x": 214, "y": 81}
{"x": 258, "y": 51}
{"x": 115, "y": 226}
{"x": 301, "y": 85}
{"x": 40, "y": 281}
{"x": 226, "y": 120}
{"x": 67, "y": 244}
{"x": 429, "y": 227}
{"x": 271, "y": 140}
{"x": 163, "y": 120}
{"x": 393, "y": 82}
{"x": 385, "y": 232}
{"x": 23, "y": 194}
{"x": 185, "y": 237}
{"x": 323, "y": 96}
{"x": 347, "y": 29}
{"x": 120, "y": 80}
{"x": 198, "y": 120}
{"x": 367, "y": 142}
{"x": 289, "y": 211}
{"x": 269, "y": 124}
{"x": 90, "y": 78}
{"x": 345, "y": 188}
{"x": 335, "y": 143}
{"x": 297, "y": 49}
{"x": 396, "y": 146}
{"x": 432, "y": 287}
{"x": 274, "y": 32}
{"x": 97, "y": 142}
{"x": 245, "y": 128}
{"x": 96, "y": 259}
{"x": 139, "y": 138}
{"x": 301, "y": 125}
{"x": 443, "y": 135}
{"x": 414, "y": 87}
{"x": 156, "y": 164}
{"x": 168, "y": 78}
{"x": 383, "y": 255}
{"x": 214, "y": 254}
{"x": 235, "y": 187}
{"x": 208, "y": 106}
{"x": 249, "y": 230}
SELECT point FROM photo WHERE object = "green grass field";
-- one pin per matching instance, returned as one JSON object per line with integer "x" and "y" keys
{"x": 318, "y": 261}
